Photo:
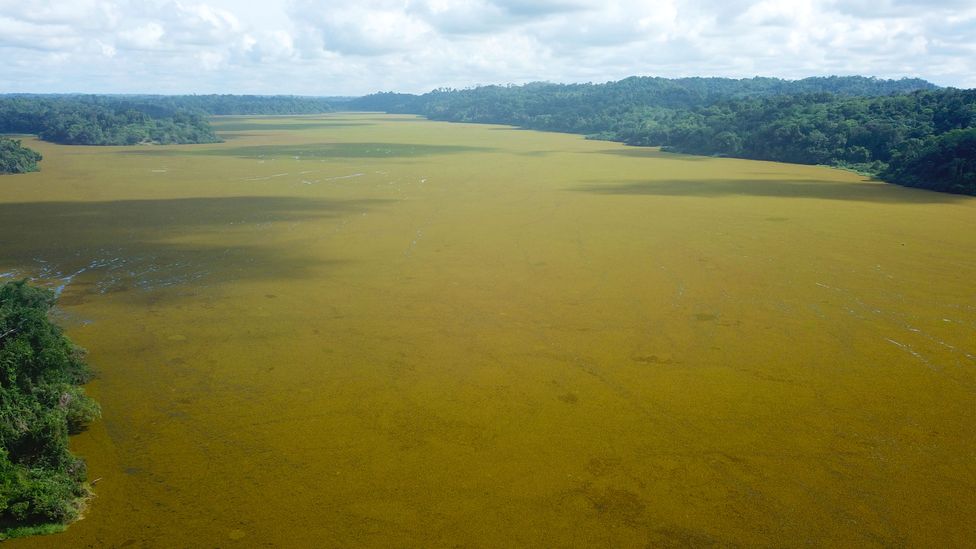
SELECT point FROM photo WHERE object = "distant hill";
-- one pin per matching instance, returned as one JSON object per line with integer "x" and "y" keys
{"x": 543, "y": 97}
{"x": 241, "y": 104}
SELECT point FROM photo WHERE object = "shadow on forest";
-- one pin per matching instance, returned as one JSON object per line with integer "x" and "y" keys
{"x": 795, "y": 188}
{"x": 147, "y": 244}
{"x": 319, "y": 150}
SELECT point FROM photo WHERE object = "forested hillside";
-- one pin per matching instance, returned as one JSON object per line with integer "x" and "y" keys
{"x": 881, "y": 127}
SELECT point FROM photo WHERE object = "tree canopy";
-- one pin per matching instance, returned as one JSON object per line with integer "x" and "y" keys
{"x": 41, "y": 403}
{"x": 946, "y": 163}
{"x": 240, "y": 104}
{"x": 101, "y": 120}
{"x": 134, "y": 119}
{"x": 16, "y": 158}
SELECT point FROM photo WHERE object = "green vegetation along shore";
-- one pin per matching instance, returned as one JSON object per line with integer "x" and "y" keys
{"x": 16, "y": 158}
{"x": 899, "y": 130}
{"x": 129, "y": 119}
{"x": 134, "y": 119}
{"x": 101, "y": 120}
{"x": 907, "y": 131}
{"x": 42, "y": 485}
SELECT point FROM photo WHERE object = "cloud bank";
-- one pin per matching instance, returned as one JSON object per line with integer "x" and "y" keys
{"x": 316, "y": 47}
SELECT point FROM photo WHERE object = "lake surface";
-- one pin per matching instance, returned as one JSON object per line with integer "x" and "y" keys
{"x": 369, "y": 330}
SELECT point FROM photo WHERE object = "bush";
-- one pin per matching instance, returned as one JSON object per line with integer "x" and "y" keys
{"x": 16, "y": 158}
{"x": 41, "y": 482}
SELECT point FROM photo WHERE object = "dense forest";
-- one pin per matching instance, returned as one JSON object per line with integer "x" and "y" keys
{"x": 576, "y": 108}
{"x": 949, "y": 158}
{"x": 241, "y": 104}
{"x": 135, "y": 119}
{"x": 42, "y": 485}
{"x": 101, "y": 120}
{"x": 16, "y": 158}
{"x": 894, "y": 129}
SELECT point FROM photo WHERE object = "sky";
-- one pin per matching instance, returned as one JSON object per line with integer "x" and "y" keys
{"x": 355, "y": 47}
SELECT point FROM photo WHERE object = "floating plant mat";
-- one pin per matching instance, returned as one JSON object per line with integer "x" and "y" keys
{"x": 407, "y": 333}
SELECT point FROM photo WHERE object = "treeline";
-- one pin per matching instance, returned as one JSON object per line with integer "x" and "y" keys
{"x": 134, "y": 119}
{"x": 596, "y": 108}
{"x": 895, "y": 129}
{"x": 130, "y": 119}
{"x": 241, "y": 104}
{"x": 101, "y": 120}
{"x": 16, "y": 158}
{"x": 42, "y": 485}
{"x": 945, "y": 162}
{"x": 883, "y": 136}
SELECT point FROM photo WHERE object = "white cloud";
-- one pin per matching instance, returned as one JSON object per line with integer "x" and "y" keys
{"x": 331, "y": 47}
{"x": 200, "y": 24}
{"x": 144, "y": 37}
{"x": 365, "y": 28}
{"x": 87, "y": 13}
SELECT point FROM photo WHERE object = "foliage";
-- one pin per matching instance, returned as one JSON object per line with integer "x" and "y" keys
{"x": 853, "y": 122}
{"x": 241, "y": 104}
{"x": 16, "y": 158}
{"x": 593, "y": 108}
{"x": 943, "y": 163}
{"x": 129, "y": 120}
{"x": 41, "y": 403}
{"x": 101, "y": 120}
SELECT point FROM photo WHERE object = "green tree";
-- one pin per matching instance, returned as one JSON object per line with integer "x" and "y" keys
{"x": 41, "y": 402}
{"x": 16, "y": 158}
{"x": 944, "y": 163}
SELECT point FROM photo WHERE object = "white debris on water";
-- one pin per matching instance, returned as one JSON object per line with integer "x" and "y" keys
{"x": 113, "y": 271}
{"x": 266, "y": 177}
{"x": 911, "y": 351}
{"x": 350, "y": 176}
{"x": 66, "y": 280}
{"x": 417, "y": 237}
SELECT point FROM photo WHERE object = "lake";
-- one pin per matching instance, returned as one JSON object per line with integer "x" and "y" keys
{"x": 373, "y": 330}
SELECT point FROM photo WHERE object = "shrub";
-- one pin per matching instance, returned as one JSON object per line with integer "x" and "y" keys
{"x": 42, "y": 484}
